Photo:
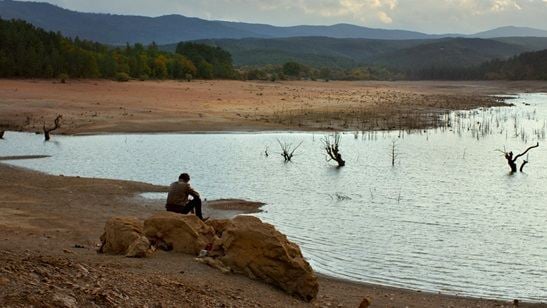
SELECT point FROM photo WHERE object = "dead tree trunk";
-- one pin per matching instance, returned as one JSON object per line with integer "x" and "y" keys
{"x": 287, "y": 151}
{"x": 1, "y": 134}
{"x": 332, "y": 146}
{"x": 512, "y": 160}
{"x": 57, "y": 124}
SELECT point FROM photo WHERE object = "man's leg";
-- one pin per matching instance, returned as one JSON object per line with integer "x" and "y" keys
{"x": 194, "y": 204}
{"x": 174, "y": 208}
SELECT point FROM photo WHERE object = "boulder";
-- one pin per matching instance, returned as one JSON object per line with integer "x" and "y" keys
{"x": 258, "y": 250}
{"x": 124, "y": 236}
{"x": 180, "y": 233}
{"x": 219, "y": 225}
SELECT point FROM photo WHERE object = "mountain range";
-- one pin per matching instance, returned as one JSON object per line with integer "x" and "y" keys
{"x": 122, "y": 29}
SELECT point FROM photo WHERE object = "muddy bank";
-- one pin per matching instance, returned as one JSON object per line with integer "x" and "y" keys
{"x": 102, "y": 106}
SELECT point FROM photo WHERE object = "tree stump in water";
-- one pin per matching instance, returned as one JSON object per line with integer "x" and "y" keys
{"x": 57, "y": 124}
{"x": 512, "y": 161}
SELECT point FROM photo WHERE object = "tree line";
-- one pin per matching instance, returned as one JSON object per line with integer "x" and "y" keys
{"x": 526, "y": 66}
{"x": 30, "y": 52}
{"x": 294, "y": 70}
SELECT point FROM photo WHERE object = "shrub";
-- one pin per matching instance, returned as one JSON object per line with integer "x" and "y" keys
{"x": 121, "y": 77}
{"x": 63, "y": 78}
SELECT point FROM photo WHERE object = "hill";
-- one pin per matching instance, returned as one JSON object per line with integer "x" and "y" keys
{"x": 456, "y": 52}
{"x": 121, "y": 29}
{"x": 311, "y": 51}
{"x": 511, "y": 31}
{"x": 527, "y": 66}
{"x": 399, "y": 54}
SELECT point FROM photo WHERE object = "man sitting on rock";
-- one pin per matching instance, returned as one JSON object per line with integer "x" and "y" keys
{"x": 178, "y": 197}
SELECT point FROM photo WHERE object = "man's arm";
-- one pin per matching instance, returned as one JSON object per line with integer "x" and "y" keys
{"x": 192, "y": 192}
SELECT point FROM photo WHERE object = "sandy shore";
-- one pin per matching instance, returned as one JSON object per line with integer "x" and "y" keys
{"x": 169, "y": 106}
{"x": 50, "y": 228}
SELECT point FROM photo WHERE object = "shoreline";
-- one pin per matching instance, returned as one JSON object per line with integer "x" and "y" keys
{"x": 23, "y": 222}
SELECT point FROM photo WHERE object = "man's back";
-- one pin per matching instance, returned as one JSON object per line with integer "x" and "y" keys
{"x": 178, "y": 193}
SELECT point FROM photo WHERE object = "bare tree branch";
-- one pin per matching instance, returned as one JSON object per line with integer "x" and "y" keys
{"x": 287, "y": 151}
{"x": 332, "y": 147}
{"x": 57, "y": 124}
{"x": 528, "y": 149}
{"x": 512, "y": 160}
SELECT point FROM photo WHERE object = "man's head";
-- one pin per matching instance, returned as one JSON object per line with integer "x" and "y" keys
{"x": 185, "y": 177}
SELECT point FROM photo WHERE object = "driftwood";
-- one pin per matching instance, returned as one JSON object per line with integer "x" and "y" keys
{"x": 57, "y": 124}
{"x": 512, "y": 159}
{"x": 332, "y": 147}
{"x": 287, "y": 150}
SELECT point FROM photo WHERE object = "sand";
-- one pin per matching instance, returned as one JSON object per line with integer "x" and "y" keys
{"x": 169, "y": 106}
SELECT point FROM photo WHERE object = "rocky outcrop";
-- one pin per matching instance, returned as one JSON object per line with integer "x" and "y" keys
{"x": 124, "y": 236}
{"x": 180, "y": 233}
{"x": 243, "y": 245}
{"x": 259, "y": 251}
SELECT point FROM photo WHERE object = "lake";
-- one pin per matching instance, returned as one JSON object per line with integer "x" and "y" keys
{"x": 448, "y": 216}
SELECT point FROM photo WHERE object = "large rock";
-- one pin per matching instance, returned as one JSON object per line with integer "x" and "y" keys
{"x": 124, "y": 236}
{"x": 258, "y": 250}
{"x": 180, "y": 233}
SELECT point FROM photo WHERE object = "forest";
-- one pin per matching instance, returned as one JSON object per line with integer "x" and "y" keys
{"x": 30, "y": 52}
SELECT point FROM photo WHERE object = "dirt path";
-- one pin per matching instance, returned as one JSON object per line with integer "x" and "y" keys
{"x": 169, "y": 106}
{"x": 49, "y": 230}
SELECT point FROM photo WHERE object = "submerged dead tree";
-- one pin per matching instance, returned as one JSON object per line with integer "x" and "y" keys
{"x": 512, "y": 160}
{"x": 1, "y": 134}
{"x": 57, "y": 124}
{"x": 287, "y": 150}
{"x": 332, "y": 146}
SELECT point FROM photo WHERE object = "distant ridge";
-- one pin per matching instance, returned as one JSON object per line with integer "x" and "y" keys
{"x": 511, "y": 31}
{"x": 121, "y": 29}
{"x": 398, "y": 54}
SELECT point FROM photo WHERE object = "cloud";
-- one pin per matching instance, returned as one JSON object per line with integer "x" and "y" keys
{"x": 384, "y": 17}
{"x": 502, "y": 5}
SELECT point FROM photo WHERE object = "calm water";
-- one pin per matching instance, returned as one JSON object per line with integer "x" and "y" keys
{"x": 448, "y": 217}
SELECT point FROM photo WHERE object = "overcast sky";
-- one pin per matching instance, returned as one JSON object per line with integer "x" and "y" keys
{"x": 432, "y": 16}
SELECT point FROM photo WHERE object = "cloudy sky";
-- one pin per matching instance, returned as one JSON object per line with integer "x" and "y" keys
{"x": 432, "y": 16}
